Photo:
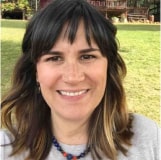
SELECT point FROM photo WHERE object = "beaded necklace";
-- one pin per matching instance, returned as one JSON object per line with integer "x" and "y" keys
{"x": 68, "y": 155}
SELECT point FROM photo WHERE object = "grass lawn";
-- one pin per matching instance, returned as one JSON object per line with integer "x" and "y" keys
{"x": 11, "y": 36}
{"x": 139, "y": 46}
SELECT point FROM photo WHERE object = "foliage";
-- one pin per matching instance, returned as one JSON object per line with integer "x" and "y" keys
{"x": 10, "y": 6}
{"x": 23, "y": 4}
{"x": 138, "y": 3}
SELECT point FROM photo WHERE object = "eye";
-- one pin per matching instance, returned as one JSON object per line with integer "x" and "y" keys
{"x": 87, "y": 58}
{"x": 54, "y": 58}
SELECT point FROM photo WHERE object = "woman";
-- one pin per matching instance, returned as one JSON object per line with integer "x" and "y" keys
{"x": 67, "y": 100}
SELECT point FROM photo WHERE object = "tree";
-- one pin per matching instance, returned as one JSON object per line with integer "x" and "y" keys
{"x": 34, "y": 4}
{"x": 140, "y": 3}
{"x": 16, "y": 9}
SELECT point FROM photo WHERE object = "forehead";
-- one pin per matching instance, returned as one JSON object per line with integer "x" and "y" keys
{"x": 73, "y": 34}
{"x": 71, "y": 29}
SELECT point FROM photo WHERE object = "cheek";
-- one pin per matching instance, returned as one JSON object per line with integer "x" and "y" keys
{"x": 101, "y": 79}
{"x": 45, "y": 76}
{"x": 100, "y": 74}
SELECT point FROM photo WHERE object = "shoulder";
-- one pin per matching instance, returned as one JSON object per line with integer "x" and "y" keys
{"x": 146, "y": 139}
{"x": 144, "y": 125}
{"x": 5, "y": 137}
{"x": 5, "y": 144}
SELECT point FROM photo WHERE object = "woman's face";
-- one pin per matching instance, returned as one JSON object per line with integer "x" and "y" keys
{"x": 72, "y": 77}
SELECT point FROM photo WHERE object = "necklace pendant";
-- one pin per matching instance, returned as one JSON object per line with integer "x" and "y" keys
{"x": 74, "y": 158}
{"x": 64, "y": 154}
{"x": 69, "y": 157}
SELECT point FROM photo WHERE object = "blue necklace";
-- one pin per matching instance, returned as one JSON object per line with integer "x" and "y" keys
{"x": 68, "y": 155}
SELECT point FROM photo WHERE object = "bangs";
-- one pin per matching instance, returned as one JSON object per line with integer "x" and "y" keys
{"x": 46, "y": 26}
{"x": 73, "y": 24}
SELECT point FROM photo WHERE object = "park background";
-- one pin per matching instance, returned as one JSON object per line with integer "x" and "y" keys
{"x": 139, "y": 45}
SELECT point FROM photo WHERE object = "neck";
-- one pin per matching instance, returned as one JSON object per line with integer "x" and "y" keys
{"x": 70, "y": 132}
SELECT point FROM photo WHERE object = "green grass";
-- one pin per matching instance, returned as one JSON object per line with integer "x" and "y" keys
{"x": 11, "y": 36}
{"x": 139, "y": 46}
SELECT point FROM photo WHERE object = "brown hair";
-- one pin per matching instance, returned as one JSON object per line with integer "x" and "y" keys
{"x": 110, "y": 123}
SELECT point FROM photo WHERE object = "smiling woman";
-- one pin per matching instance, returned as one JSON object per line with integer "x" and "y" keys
{"x": 67, "y": 100}
{"x": 72, "y": 86}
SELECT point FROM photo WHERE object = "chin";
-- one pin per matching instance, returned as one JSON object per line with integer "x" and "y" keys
{"x": 76, "y": 117}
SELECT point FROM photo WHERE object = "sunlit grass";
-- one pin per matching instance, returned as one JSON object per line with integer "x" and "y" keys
{"x": 140, "y": 48}
{"x": 11, "y": 36}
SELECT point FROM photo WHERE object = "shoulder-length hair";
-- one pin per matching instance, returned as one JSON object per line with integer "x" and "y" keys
{"x": 25, "y": 108}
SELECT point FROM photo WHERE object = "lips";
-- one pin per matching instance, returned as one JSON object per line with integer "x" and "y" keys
{"x": 72, "y": 93}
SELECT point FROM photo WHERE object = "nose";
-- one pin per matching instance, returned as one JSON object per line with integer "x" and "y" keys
{"x": 73, "y": 73}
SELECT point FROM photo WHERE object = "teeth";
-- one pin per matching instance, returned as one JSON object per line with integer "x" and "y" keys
{"x": 72, "y": 93}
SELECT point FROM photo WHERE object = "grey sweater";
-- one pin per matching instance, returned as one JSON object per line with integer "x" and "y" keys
{"x": 146, "y": 144}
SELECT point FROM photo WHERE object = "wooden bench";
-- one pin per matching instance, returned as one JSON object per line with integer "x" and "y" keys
{"x": 136, "y": 17}
{"x": 137, "y": 14}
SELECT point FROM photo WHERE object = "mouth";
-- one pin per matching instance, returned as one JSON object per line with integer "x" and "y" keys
{"x": 72, "y": 93}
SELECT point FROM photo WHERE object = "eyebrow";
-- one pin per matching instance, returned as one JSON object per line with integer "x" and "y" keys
{"x": 80, "y": 51}
{"x": 89, "y": 50}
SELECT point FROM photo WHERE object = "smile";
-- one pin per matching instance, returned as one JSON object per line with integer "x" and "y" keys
{"x": 72, "y": 93}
